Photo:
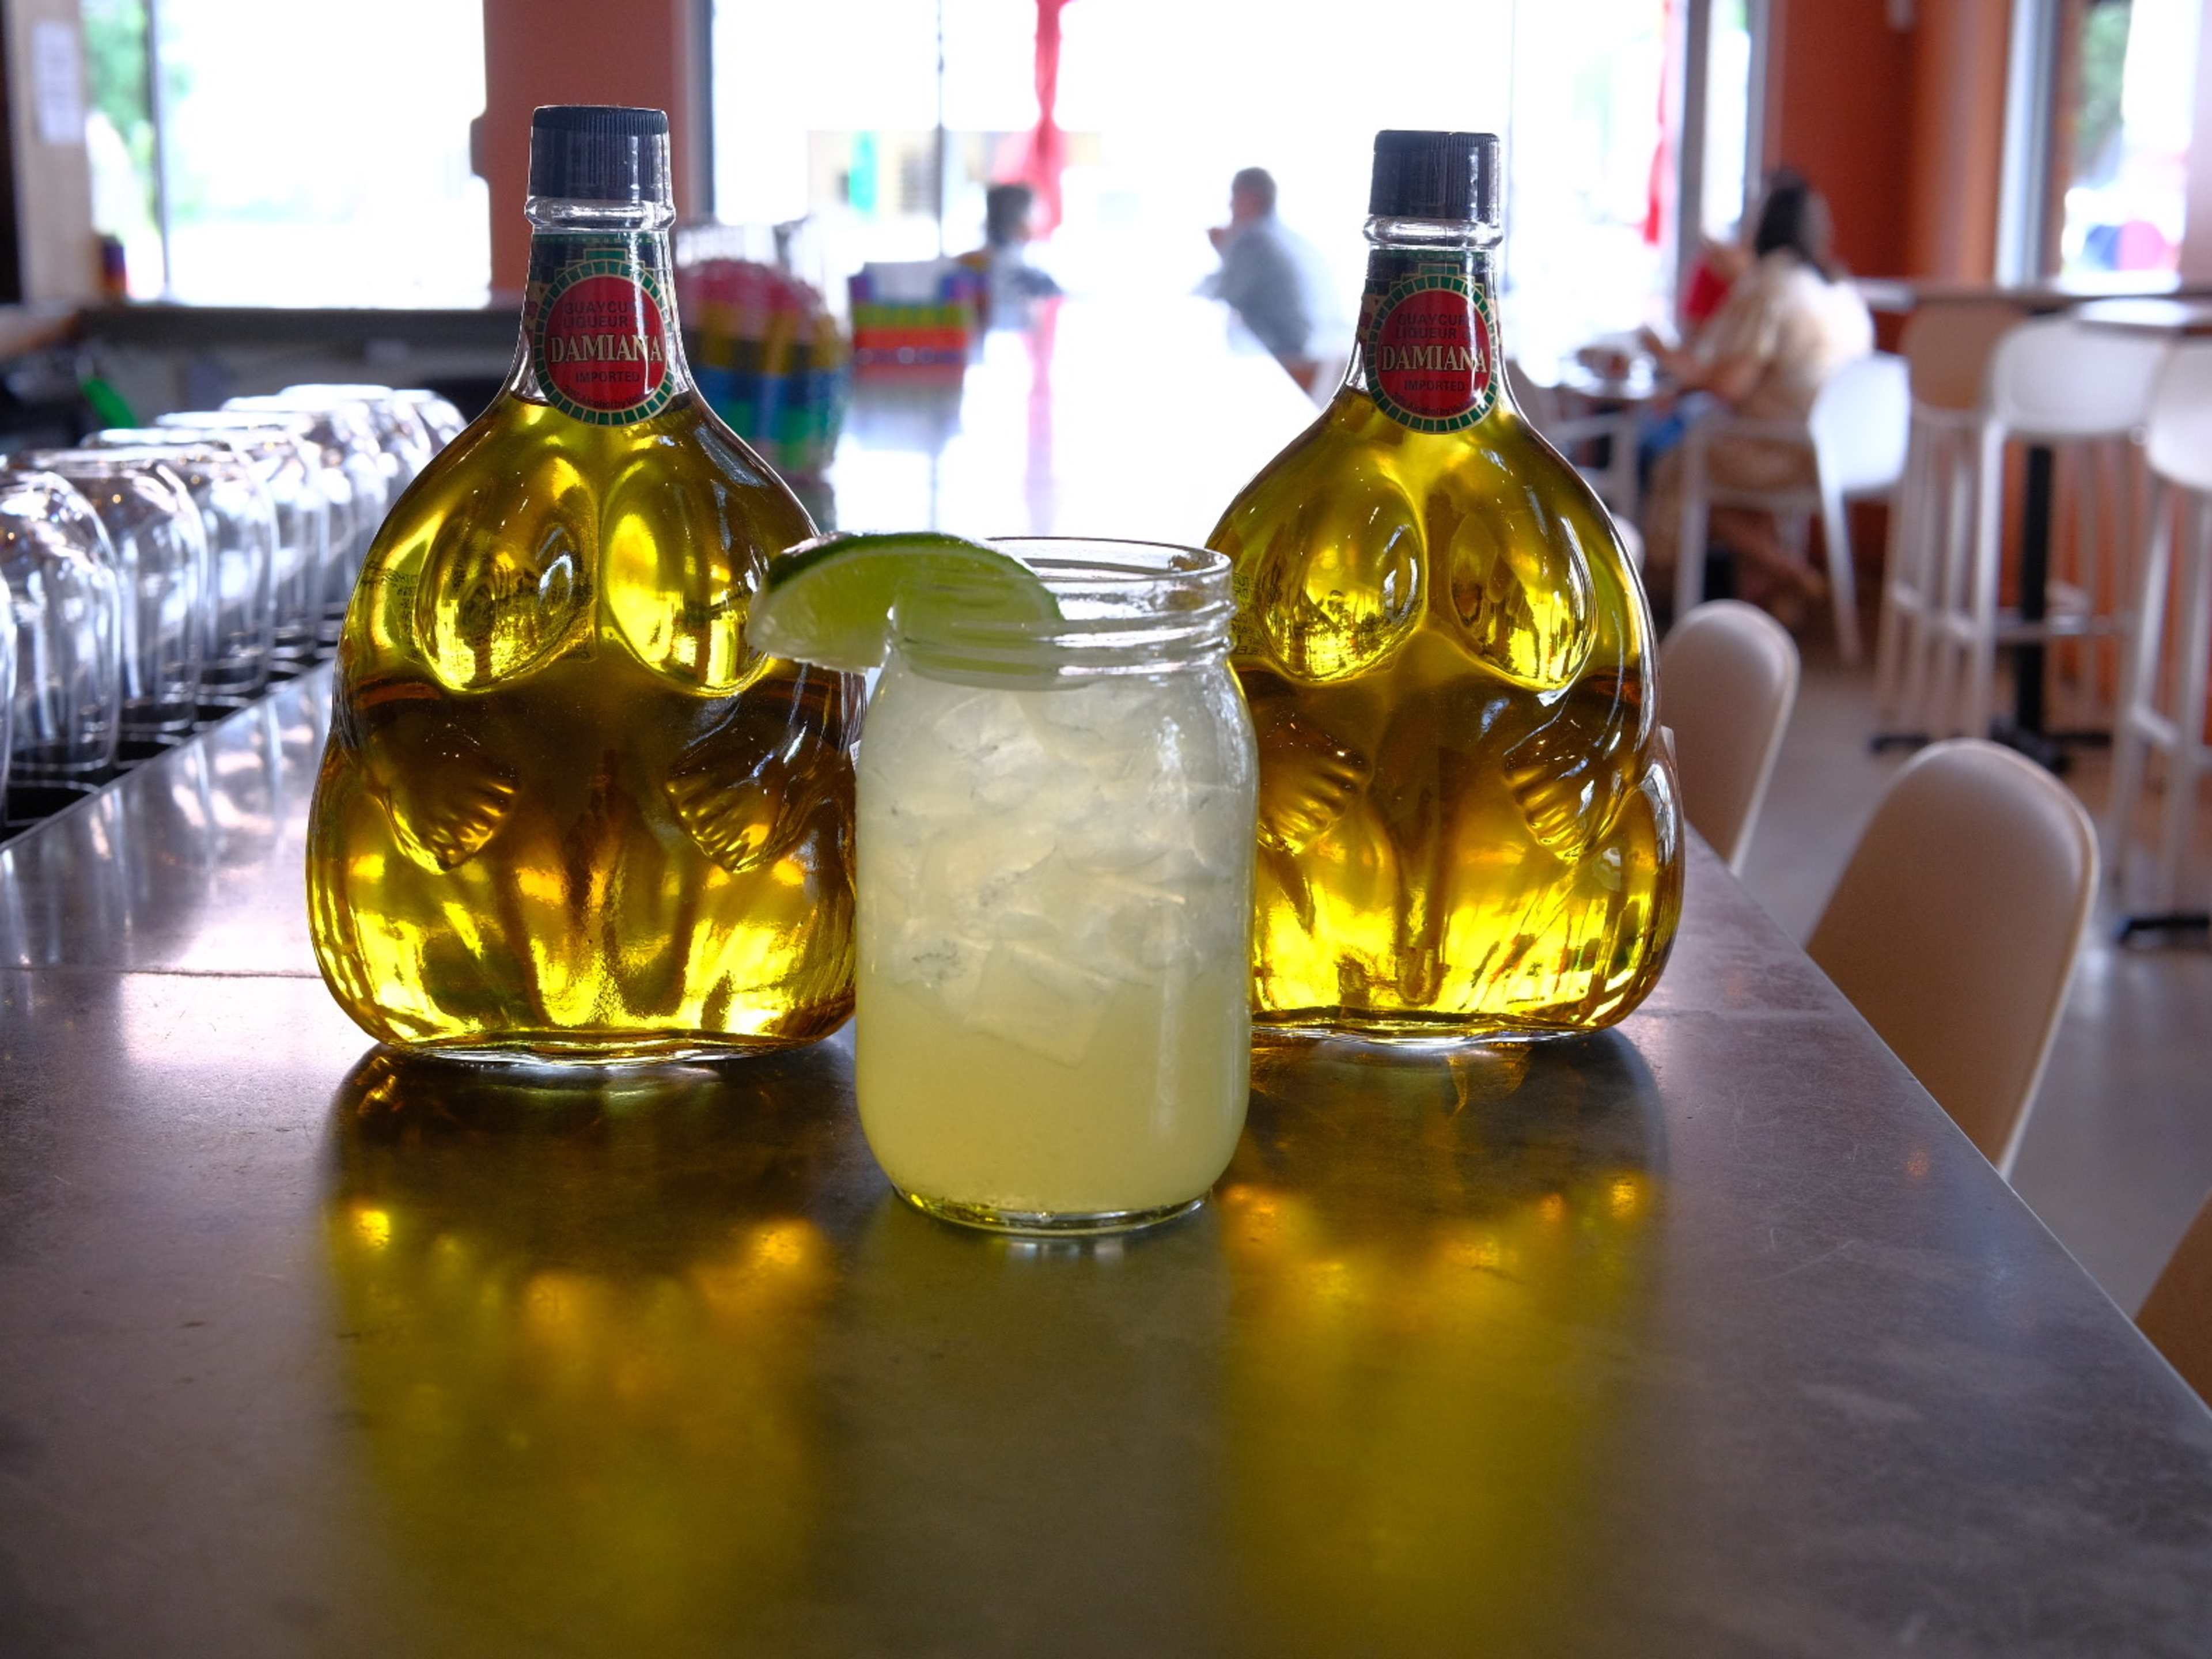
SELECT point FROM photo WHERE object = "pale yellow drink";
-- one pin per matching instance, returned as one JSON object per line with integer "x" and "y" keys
{"x": 1054, "y": 911}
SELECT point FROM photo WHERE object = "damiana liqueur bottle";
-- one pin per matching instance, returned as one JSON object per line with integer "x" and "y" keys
{"x": 565, "y": 810}
{"x": 1468, "y": 824}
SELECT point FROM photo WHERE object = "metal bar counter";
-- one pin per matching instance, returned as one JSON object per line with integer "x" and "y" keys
{"x": 1708, "y": 1336}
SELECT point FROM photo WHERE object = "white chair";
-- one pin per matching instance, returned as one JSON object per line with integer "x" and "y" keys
{"x": 2083, "y": 392}
{"x": 2179, "y": 448}
{"x": 1728, "y": 678}
{"x": 1614, "y": 482}
{"x": 2177, "y": 1315}
{"x": 1857, "y": 433}
{"x": 1954, "y": 927}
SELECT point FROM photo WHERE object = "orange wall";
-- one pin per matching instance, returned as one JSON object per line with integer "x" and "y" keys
{"x": 1903, "y": 129}
{"x": 1839, "y": 110}
{"x": 1955, "y": 158}
{"x": 582, "y": 51}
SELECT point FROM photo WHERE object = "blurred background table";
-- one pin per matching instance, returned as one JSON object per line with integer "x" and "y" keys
{"x": 1710, "y": 1335}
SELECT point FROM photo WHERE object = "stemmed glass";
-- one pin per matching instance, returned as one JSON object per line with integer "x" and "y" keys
{"x": 67, "y": 629}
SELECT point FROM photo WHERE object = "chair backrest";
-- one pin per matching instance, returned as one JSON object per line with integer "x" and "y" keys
{"x": 1859, "y": 421}
{"x": 2179, "y": 441}
{"x": 1955, "y": 927}
{"x": 2057, "y": 377}
{"x": 1948, "y": 345}
{"x": 2177, "y": 1315}
{"x": 1728, "y": 678}
{"x": 1539, "y": 404}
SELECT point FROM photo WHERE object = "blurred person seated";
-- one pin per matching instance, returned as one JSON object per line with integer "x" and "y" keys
{"x": 1010, "y": 281}
{"x": 1789, "y": 321}
{"x": 1270, "y": 276}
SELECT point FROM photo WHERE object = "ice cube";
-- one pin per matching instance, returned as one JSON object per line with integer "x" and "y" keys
{"x": 1040, "y": 1002}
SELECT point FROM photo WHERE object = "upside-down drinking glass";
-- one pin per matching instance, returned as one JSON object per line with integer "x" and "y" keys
{"x": 290, "y": 465}
{"x": 401, "y": 431}
{"x": 446, "y": 423}
{"x": 67, "y": 628}
{"x": 240, "y": 524}
{"x": 354, "y": 489}
{"x": 1055, "y": 839}
{"x": 161, "y": 554}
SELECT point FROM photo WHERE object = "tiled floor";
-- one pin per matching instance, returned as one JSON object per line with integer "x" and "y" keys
{"x": 2118, "y": 1154}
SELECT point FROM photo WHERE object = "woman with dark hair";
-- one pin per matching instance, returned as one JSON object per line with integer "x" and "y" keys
{"x": 1789, "y": 322}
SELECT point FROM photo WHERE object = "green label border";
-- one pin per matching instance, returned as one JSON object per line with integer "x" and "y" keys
{"x": 600, "y": 261}
{"x": 1478, "y": 298}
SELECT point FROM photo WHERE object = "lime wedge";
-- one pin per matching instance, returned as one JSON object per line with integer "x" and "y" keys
{"x": 830, "y": 600}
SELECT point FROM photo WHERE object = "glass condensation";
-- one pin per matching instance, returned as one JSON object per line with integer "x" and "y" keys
{"x": 1056, "y": 883}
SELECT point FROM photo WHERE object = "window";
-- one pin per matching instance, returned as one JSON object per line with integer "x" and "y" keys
{"x": 1161, "y": 100}
{"x": 273, "y": 152}
{"x": 2098, "y": 113}
{"x": 2127, "y": 79}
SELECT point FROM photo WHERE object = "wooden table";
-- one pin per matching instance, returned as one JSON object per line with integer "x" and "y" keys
{"x": 1708, "y": 1336}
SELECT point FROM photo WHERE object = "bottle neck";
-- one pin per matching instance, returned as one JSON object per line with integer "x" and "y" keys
{"x": 1428, "y": 351}
{"x": 601, "y": 341}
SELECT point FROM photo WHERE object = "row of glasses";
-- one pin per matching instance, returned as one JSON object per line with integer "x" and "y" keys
{"x": 158, "y": 576}
{"x": 159, "y": 549}
{"x": 64, "y": 632}
{"x": 366, "y": 461}
{"x": 290, "y": 467}
{"x": 238, "y": 517}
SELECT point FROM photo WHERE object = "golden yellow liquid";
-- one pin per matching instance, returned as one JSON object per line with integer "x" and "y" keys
{"x": 1466, "y": 822}
{"x": 564, "y": 809}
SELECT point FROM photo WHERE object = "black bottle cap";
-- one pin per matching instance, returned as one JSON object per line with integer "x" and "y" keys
{"x": 600, "y": 153}
{"x": 1435, "y": 175}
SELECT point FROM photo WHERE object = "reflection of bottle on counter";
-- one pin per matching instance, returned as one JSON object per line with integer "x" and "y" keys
{"x": 1424, "y": 1390}
{"x": 566, "y": 808}
{"x": 582, "y": 1323}
{"x": 1467, "y": 823}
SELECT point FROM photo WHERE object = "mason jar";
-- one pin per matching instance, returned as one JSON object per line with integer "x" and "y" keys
{"x": 1055, "y": 846}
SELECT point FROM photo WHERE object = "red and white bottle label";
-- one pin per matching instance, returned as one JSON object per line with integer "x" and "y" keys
{"x": 1429, "y": 354}
{"x": 599, "y": 339}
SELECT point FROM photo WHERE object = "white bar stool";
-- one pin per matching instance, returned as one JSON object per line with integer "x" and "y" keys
{"x": 2179, "y": 450}
{"x": 1856, "y": 431}
{"x": 1946, "y": 348}
{"x": 2084, "y": 393}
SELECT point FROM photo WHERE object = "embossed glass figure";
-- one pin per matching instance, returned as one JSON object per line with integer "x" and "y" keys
{"x": 566, "y": 810}
{"x": 1467, "y": 824}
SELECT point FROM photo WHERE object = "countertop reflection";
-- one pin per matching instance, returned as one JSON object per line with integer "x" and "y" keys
{"x": 194, "y": 862}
